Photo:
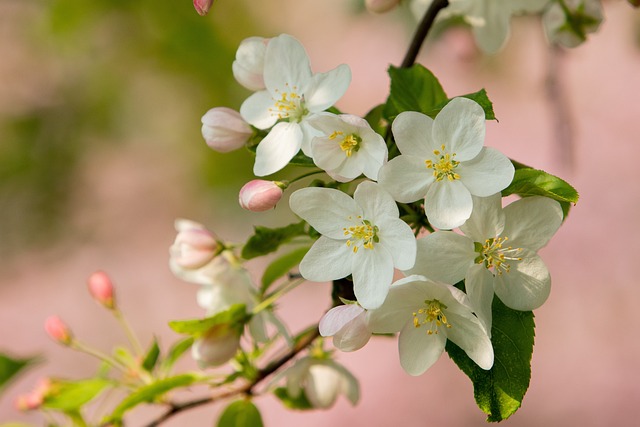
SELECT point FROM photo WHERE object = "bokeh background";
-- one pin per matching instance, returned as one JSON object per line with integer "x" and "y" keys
{"x": 100, "y": 150}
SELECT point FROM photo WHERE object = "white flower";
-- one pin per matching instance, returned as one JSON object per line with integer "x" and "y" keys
{"x": 444, "y": 161}
{"x": 248, "y": 67}
{"x": 427, "y": 313}
{"x": 293, "y": 94}
{"x": 348, "y": 325}
{"x": 348, "y": 147}
{"x": 497, "y": 253}
{"x": 586, "y": 16}
{"x": 362, "y": 236}
{"x": 322, "y": 381}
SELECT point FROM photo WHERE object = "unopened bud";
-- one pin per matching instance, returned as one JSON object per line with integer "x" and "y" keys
{"x": 216, "y": 347}
{"x": 101, "y": 289}
{"x": 194, "y": 246}
{"x": 224, "y": 129}
{"x": 380, "y": 6}
{"x": 248, "y": 68}
{"x": 58, "y": 330}
{"x": 202, "y": 6}
{"x": 259, "y": 195}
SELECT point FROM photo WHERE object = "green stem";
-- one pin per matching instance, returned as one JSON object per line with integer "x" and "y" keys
{"x": 131, "y": 336}
{"x": 288, "y": 286}
{"x": 78, "y": 346}
{"x": 304, "y": 175}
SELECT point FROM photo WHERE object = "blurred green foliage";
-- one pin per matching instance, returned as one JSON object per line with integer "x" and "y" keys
{"x": 104, "y": 48}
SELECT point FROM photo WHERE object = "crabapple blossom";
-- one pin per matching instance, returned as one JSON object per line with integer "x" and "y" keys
{"x": 259, "y": 195}
{"x": 248, "y": 67}
{"x": 348, "y": 325}
{"x": 496, "y": 254}
{"x": 444, "y": 161}
{"x": 427, "y": 314}
{"x": 362, "y": 236}
{"x": 348, "y": 147}
{"x": 224, "y": 129}
{"x": 193, "y": 248}
{"x": 568, "y": 24}
{"x": 292, "y": 95}
{"x": 216, "y": 347}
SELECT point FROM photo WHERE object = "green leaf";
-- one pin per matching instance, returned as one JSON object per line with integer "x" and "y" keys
{"x": 500, "y": 390}
{"x": 300, "y": 402}
{"x": 152, "y": 356}
{"x": 70, "y": 396}
{"x": 234, "y": 316}
{"x": 301, "y": 159}
{"x": 176, "y": 351}
{"x": 150, "y": 393}
{"x": 376, "y": 119}
{"x": 241, "y": 413}
{"x": 10, "y": 367}
{"x": 533, "y": 182}
{"x": 480, "y": 97}
{"x": 413, "y": 89}
{"x": 266, "y": 240}
{"x": 282, "y": 266}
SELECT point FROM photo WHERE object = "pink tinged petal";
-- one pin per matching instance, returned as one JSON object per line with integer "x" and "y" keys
{"x": 406, "y": 178}
{"x": 326, "y": 260}
{"x": 372, "y": 271}
{"x": 375, "y": 202}
{"x": 479, "y": 287}
{"x": 460, "y": 126}
{"x": 412, "y": 132}
{"x": 467, "y": 333}
{"x": 419, "y": 350}
{"x": 325, "y": 209}
{"x": 528, "y": 284}
{"x": 257, "y": 110}
{"x": 531, "y": 222}
{"x": 448, "y": 204}
{"x": 487, "y": 219}
{"x": 249, "y": 64}
{"x": 325, "y": 89}
{"x": 488, "y": 173}
{"x": 337, "y": 318}
{"x": 276, "y": 150}
{"x": 354, "y": 335}
{"x": 444, "y": 256}
{"x": 286, "y": 65}
{"x": 398, "y": 239}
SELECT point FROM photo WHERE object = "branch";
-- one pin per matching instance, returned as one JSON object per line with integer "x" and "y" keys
{"x": 421, "y": 32}
{"x": 302, "y": 341}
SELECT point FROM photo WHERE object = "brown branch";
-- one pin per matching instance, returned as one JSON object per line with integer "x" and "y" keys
{"x": 421, "y": 32}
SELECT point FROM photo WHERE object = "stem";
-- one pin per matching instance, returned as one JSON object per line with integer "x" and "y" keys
{"x": 131, "y": 336}
{"x": 275, "y": 295}
{"x": 304, "y": 175}
{"x": 78, "y": 346}
{"x": 421, "y": 32}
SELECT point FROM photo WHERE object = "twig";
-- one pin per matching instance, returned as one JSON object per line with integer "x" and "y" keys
{"x": 421, "y": 32}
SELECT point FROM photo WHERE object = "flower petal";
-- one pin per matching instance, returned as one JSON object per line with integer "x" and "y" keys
{"x": 398, "y": 239}
{"x": 531, "y": 222}
{"x": 337, "y": 318}
{"x": 468, "y": 334}
{"x": 286, "y": 65}
{"x": 448, "y": 204}
{"x": 460, "y": 126}
{"x": 444, "y": 256}
{"x": 276, "y": 150}
{"x": 528, "y": 284}
{"x": 479, "y": 287}
{"x": 325, "y": 89}
{"x": 488, "y": 173}
{"x": 325, "y": 209}
{"x": 372, "y": 275}
{"x": 354, "y": 335}
{"x": 406, "y": 178}
{"x": 256, "y": 110}
{"x": 486, "y": 220}
{"x": 419, "y": 350}
{"x": 493, "y": 34}
{"x": 376, "y": 203}
{"x": 323, "y": 385}
{"x": 412, "y": 132}
{"x": 326, "y": 260}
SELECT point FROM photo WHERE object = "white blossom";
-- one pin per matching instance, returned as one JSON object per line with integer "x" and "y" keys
{"x": 248, "y": 67}
{"x": 348, "y": 325}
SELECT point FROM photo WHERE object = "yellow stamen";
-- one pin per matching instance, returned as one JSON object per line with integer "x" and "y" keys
{"x": 444, "y": 166}
{"x": 433, "y": 315}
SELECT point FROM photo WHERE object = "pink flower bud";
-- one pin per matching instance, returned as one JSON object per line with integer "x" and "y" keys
{"x": 260, "y": 195}
{"x": 380, "y": 6}
{"x": 101, "y": 289}
{"x": 58, "y": 330}
{"x": 224, "y": 129}
{"x": 202, "y": 6}
{"x": 248, "y": 68}
{"x": 194, "y": 246}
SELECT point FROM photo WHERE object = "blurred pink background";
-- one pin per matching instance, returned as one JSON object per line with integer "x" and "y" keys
{"x": 585, "y": 362}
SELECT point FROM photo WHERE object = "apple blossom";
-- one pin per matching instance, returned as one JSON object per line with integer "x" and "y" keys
{"x": 101, "y": 289}
{"x": 193, "y": 248}
{"x": 293, "y": 94}
{"x": 444, "y": 161}
{"x": 361, "y": 236}
{"x": 216, "y": 347}
{"x": 348, "y": 325}
{"x": 427, "y": 313}
{"x": 224, "y": 129}
{"x": 496, "y": 254}
{"x": 259, "y": 195}
{"x": 348, "y": 147}
{"x": 322, "y": 380}
{"x": 248, "y": 67}
{"x": 567, "y": 23}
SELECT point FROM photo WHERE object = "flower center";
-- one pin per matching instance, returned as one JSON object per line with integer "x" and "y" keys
{"x": 364, "y": 234}
{"x": 494, "y": 256}
{"x": 349, "y": 143}
{"x": 432, "y": 316}
{"x": 290, "y": 105}
{"x": 444, "y": 165}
